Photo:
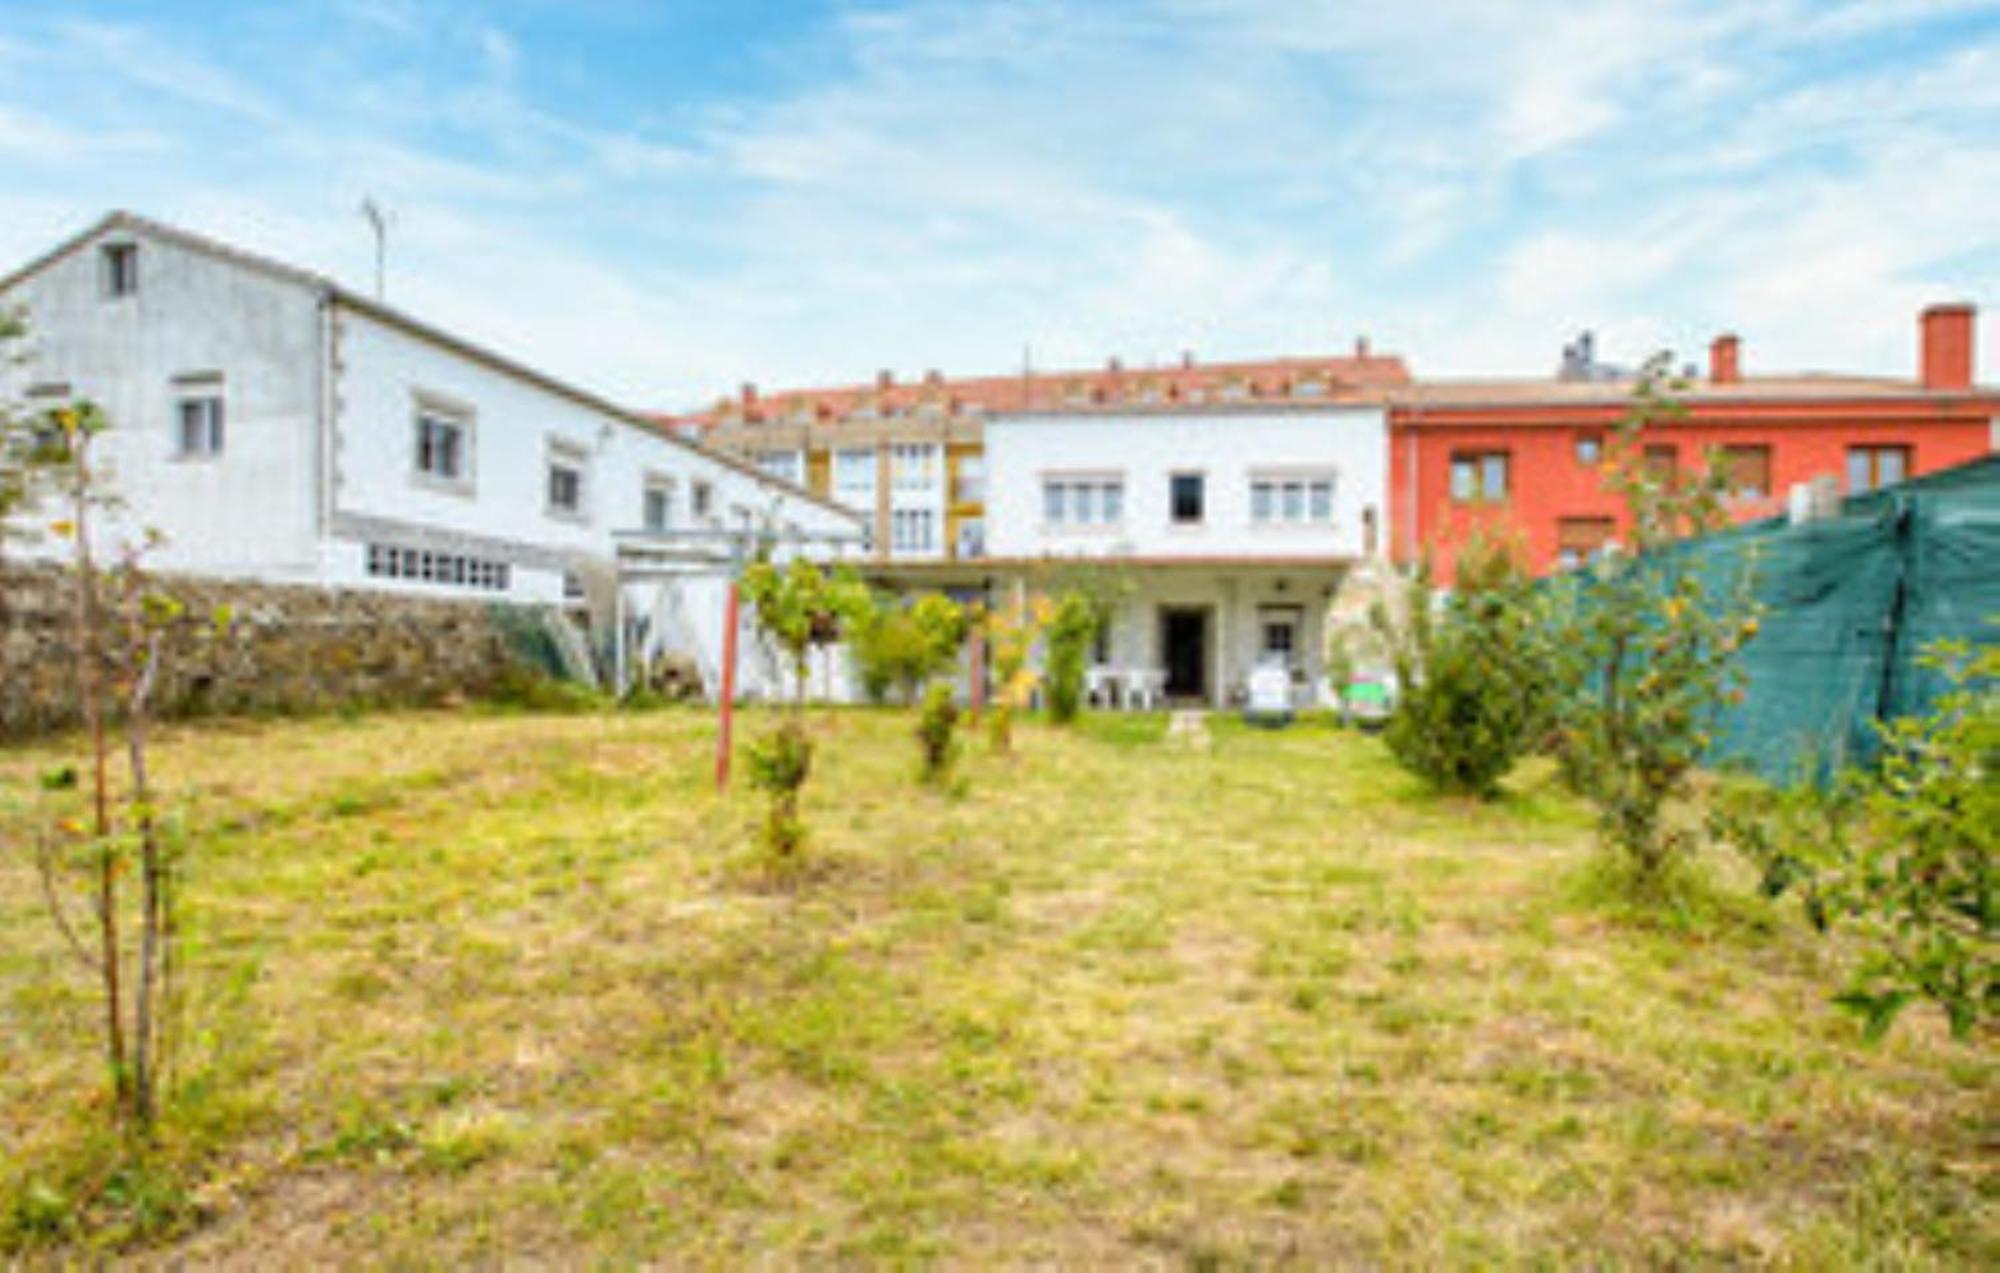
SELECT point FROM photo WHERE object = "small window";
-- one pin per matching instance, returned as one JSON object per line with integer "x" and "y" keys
{"x": 1590, "y": 449}
{"x": 1578, "y": 539}
{"x": 854, "y": 471}
{"x": 704, "y": 499}
{"x": 442, "y": 451}
{"x": 1291, "y": 500}
{"x": 565, "y": 481}
{"x": 656, "y": 505}
{"x": 1479, "y": 476}
{"x": 1870, "y": 468}
{"x": 1079, "y": 501}
{"x": 1278, "y": 634}
{"x": 1186, "y": 494}
{"x": 1662, "y": 462}
{"x": 1748, "y": 469}
{"x": 198, "y": 426}
{"x": 121, "y": 269}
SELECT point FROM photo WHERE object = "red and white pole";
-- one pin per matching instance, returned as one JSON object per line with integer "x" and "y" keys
{"x": 730, "y": 623}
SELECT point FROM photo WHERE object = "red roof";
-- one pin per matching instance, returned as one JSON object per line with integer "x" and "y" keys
{"x": 1347, "y": 377}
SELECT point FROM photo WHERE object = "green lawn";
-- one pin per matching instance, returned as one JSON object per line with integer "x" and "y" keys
{"x": 471, "y": 986}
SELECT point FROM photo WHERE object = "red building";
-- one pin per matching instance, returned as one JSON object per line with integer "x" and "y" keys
{"x": 1527, "y": 454}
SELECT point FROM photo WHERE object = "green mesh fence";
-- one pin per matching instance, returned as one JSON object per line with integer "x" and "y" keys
{"x": 1849, "y": 606}
{"x": 526, "y": 633}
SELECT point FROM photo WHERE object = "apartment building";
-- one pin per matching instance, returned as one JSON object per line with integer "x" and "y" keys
{"x": 911, "y": 455}
{"x": 1527, "y": 456}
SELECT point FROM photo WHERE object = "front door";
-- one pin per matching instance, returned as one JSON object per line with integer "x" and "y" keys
{"x": 1184, "y": 651}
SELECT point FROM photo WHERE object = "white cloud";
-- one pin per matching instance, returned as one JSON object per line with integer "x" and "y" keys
{"x": 1469, "y": 180}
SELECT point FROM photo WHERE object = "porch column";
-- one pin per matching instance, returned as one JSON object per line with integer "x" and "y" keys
{"x": 1225, "y": 624}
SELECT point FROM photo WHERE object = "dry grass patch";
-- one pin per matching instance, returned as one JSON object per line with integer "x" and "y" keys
{"x": 472, "y": 986}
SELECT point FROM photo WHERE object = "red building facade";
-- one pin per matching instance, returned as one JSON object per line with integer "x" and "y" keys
{"x": 1526, "y": 457}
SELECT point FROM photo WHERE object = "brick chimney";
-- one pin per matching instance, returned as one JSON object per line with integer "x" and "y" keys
{"x": 934, "y": 378}
{"x": 885, "y": 379}
{"x": 1114, "y": 364}
{"x": 1361, "y": 347}
{"x": 1725, "y": 360}
{"x": 1946, "y": 353}
{"x": 1187, "y": 360}
{"x": 749, "y": 394}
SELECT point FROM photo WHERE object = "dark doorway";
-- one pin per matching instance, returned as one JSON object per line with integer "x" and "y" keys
{"x": 1184, "y": 651}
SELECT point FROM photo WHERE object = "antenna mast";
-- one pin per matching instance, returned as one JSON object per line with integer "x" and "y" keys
{"x": 378, "y": 220}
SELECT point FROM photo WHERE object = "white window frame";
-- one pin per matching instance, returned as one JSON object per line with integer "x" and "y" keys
{"x": 701, "y": 501}
{"x": 1174, "y": 519}
{"x": 663, "y": 486}
{"x": 119, "y": 266}
{"x": 848, "y": 461}
{"x": 562, "y": 454}
{"x": 1293, "y": 498}
{"x": 786, "y": 466}
{"x": 913, "y": 530}
{"x": 914, "y": 466}
{"x": 430, "y": 409}
{"x": 200, "y": 391}
{"x": 1083, "y": 502}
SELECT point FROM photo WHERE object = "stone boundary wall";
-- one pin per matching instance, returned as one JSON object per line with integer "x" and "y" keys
{"x": 289, "y": 648}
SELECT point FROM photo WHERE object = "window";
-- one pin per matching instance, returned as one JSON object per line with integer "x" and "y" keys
{"x": 854, "y": 472}
{"x": 1748, "y": 469}
{"x": 1083, "y": 501}
{"x": 1589, "y": 449}
{"x": 1278, "y": 634}
{"x": 1479, "y": 476}
{"x": 418, "y": 565}
{"x": 913, "y": 530}
{"x": 1870, "y": 468}
{"x": 198, "y": 424}
{"x": 443, "y": 453}
{"x": 1662, "y": 462}
{"x": 913, "y": 466}
{"x": 1292, "y": 499}
{"x": 565, "y": 480}
{"x": 121, "y": 269}
{"x": 1578, "y": 539}
{"x": 970, "y": 487}
{"x": 656, "y": 503}
{"x": 1184, "y": 492}
{"x": 704, "y": 499}
{"x": 971, "y": 537}
{"x": 573, "y": 589}
{"x": 783, "y": 465}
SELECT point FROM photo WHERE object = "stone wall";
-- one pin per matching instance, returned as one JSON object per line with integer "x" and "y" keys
{"x": 286, "y": 649}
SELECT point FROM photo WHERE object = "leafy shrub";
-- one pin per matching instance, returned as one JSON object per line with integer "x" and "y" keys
{"x": 779, "y": 766}
{"x": 937, "y": 730}
{"x": 1473, "y": 672}
{"x": 904, "y": 644}
{"x": 1646, "y": 651}
{"x": 1071, "y": 630}
{"x": 1903, "y": 854}
{"x": 1011, "y": 631}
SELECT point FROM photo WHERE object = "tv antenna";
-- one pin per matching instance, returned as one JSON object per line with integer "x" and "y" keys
{"x": 379, "y": 221}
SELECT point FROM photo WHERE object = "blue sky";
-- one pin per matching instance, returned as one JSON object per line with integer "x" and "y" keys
{"x": 662, "y": 200}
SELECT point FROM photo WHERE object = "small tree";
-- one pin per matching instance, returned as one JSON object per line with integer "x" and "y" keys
{"x": 937, "y": 731}
{"x": 121, "y": 628}
{"x": 1473, "y": 671}
{"x": 905, "y": 644}
{"x": 1906, "y": 854}
{"x": 1071, "y": 631}
{"x": 1011, "y": 633}
{"x": 798, "y": 608}
{"x": 1647, "y": 648}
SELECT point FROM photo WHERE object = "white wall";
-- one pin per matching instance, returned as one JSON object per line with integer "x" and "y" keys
{"x": 1228, "y": 447}
{"x": 249, "y": 511}
{"x": 387, "y": 370}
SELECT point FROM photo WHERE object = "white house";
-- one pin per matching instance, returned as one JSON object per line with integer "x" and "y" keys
{"x": 273, "y": 425}
{"x": 1230, "y": 526}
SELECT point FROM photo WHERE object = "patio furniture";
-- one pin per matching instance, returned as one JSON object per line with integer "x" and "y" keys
{"x": 1101, "y": 686}
{"x": 1145, "y": 688}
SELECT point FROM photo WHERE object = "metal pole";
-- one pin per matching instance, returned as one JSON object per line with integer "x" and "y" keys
{"x": 728, "y": 679}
